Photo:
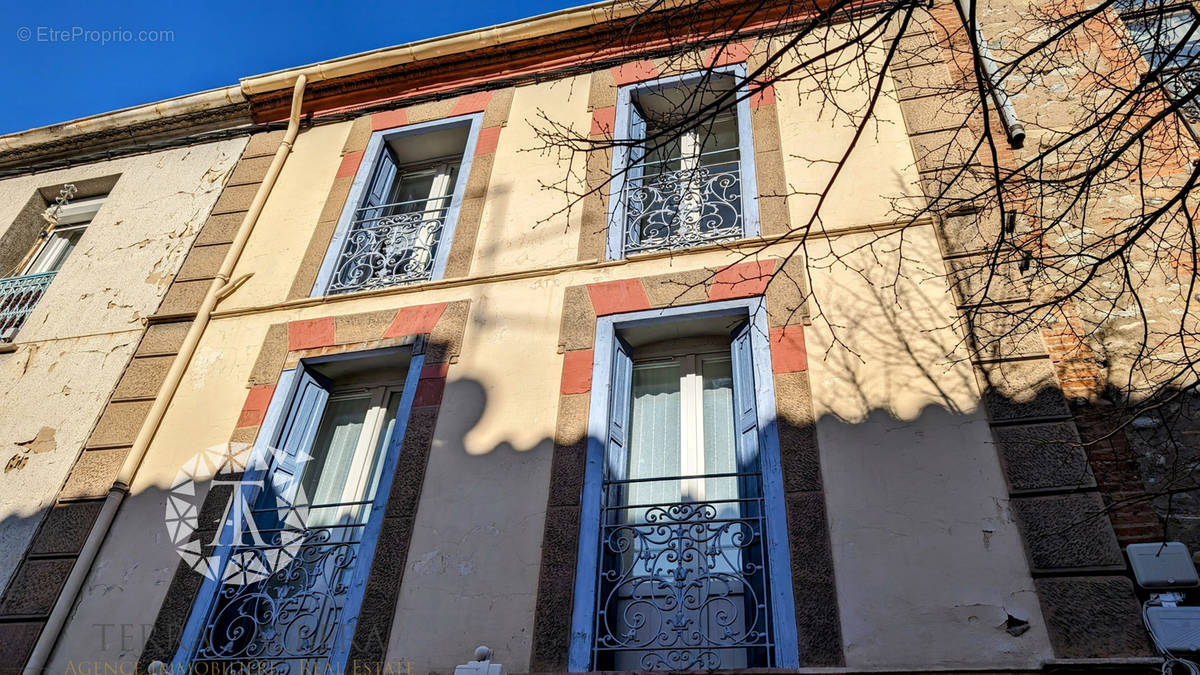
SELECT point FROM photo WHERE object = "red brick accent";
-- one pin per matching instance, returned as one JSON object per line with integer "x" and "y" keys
{"x": 415, "y": 320}
{"x": 603, "y": 120}
{"x": 788, "y": 354}
{"x": 760, "y": 96}
{"x": 389, "y": 119}
{"x": 435, "y": 370}
{"x": 488, "y": 139}
{"x": 734, "y": 52}
{"x": 743, "y": 280}
{"x": 255, "y": 407}
{"x": 634, "y": 71}
{"x": 349, "y": 165}
{"x": 1115, "y": 467}
{"x": 429, "y": 392}
{"x": 577, "y": 372}
{"x": 471, "y": 103}
{"x": 310, "y": 333}
{"x": 614, "y": 297}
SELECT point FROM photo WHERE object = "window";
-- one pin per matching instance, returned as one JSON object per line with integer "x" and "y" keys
{"x": 399, "y": 218}
{"x": 290, "y": 584}
{"x": 1168, "y": 37}
{"x": 685, "y": 175}
{"x": 675, "y": 571}
{"x": 20, "y": 294}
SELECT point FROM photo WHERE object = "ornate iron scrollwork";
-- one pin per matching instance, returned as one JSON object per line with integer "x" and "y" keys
{"x": 684, "y": 208}
{"x": 385, "y": 248}
{"x": 683, "y": 588}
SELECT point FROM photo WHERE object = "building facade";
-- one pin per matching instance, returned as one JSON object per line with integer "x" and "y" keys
{"x": 390, "y": 372}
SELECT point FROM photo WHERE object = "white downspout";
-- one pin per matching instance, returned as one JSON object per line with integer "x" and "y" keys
{"x": 1013, "y": 129}
{"x": 220, "y": 287}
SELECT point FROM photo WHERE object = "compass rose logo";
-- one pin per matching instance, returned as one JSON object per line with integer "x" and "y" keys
{"x": 263, "y": 523}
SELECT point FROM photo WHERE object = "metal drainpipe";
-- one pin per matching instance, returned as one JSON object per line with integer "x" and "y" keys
{"x": 221, "y": 287}
{"x": 1013, "y": 129}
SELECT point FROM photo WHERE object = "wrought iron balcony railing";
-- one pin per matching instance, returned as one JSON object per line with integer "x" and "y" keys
{"x": 390, "y": 245}
{"x": 676, "y": 209}
{"x": 18, "y": 297}
{"x": 683, "y": 585}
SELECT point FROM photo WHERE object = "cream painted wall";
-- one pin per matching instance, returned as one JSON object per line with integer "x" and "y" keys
{"x": 928, "y": 559}
{"x": 77, "y": 341}
{"x": 522, "y": 223}
{"x": 879, "y": 180}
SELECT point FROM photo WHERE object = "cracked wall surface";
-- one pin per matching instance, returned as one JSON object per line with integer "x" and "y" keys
{"x": 78, "y": 340}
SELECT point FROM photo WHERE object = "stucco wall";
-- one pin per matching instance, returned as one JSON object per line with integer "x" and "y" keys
{"x": 904, "y": 436}
{"x": 929, "y": 560}
{"x": 76, "y": 342}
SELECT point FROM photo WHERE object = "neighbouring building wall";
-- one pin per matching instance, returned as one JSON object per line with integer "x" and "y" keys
{"x": 78, "y": 340}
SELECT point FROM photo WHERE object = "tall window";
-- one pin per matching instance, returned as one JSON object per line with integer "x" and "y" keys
{"x": 1168, "y": 37}
{"x": 291, "y": 583}
{"x": 405, "y": 203}
{"x": 685, "y": 175}
{"x": 20, "y": 294}
{"x": 683, "y": 578}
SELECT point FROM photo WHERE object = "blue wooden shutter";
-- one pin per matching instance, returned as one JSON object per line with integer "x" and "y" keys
{"x": 381, "y": 184}
{"x": 618, "y": 412}
{"x": 299, "y": 431}
{"x": 634, "y": 172}
{"x": 745, "y": 414}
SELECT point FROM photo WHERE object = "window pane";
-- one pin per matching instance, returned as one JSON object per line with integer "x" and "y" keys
{"x": 1156, "y": 35}
{"x": 654, "y": 433}
{"x": 719, "y": 453}
{"x": 326, "y": 474}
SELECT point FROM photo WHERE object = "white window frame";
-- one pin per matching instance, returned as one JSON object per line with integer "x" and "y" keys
{"x": 362, "y": 179}
{"x": 72, "y": 217}
{"x": 622, "y": 153}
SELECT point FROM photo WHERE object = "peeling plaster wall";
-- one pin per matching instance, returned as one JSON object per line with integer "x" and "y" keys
{"x": 77, "y": 341}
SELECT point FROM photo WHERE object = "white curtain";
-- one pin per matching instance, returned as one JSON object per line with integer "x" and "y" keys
{"x": 325, "y": 475}
{"x": 719, "y": 449}
{"x": 654, "y": 438}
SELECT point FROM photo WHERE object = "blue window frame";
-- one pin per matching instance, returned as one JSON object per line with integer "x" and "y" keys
{"x": 1167, "y": 35}
{"x": 676, "y": 187}
{"x": 683, "y": 563}
{"x": 286, "y": 591}
{"x": 399, "y": 218}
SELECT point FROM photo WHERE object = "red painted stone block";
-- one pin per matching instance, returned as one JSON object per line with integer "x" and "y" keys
{"x": 471, "y": 103}
{"x": 310, "y": 333}
{"x": 415, "y": 320}
{"x": 429, "y": 392}
{"x": 577, "y": 372}
{"x": 389, "y": 119}
{"x": 614, "y": 297}
{"x": 634, "y": 71}
{"x": 435, "y": 370}
{"x": 255, "y": 408}
{"x": 760, "y": 96}
{"x": 603, "y": 120}
{"x": 487, "y": 141}
{"x": 349, "y": 165}
{"x": 743, "y": 280}
{"x": 788, "y": 354}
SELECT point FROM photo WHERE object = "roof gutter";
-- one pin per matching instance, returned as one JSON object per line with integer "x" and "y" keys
{"x": 455, "y": 43}
{"x": 213, "y": 99}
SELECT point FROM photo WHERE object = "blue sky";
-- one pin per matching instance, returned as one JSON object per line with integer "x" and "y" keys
{"x": 58, "y": 67}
